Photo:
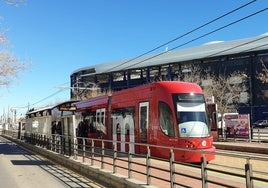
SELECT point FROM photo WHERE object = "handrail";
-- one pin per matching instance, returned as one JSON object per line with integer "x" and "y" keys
{"x": 259, "y": 135}
{"x": 94, "y": 152}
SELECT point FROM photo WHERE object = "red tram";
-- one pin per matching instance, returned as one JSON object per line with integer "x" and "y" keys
{"x": 167, "y": 113}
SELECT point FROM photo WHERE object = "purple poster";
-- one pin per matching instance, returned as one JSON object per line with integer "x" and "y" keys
{"x": 237, "y": 126}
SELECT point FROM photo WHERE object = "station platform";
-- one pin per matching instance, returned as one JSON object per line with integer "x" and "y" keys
{"x": 117, "y": 180}
{"x": 243, "y": 146}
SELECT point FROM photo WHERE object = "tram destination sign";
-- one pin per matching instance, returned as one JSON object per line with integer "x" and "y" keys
{"x": 67, "y": 107}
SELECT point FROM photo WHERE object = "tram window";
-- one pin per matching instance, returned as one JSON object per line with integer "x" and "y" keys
{"x": 89, "y": 119}
{"x": 165, "y": 119}
{"x": 100, "y": 122}
{"x": 118, "y": 128}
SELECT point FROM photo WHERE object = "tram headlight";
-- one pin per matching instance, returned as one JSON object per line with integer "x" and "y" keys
{"x": 204, "y": 143}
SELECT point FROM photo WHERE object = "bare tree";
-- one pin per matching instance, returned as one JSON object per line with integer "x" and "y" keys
{"x": 10, "y": 65}
{"x": 263, "y": 74}
{"x": 227, "y": 90}
{"x": 92, "y": 90}
{"x": 192, "y": 73}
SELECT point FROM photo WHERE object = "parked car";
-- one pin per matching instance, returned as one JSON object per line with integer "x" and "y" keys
{"x": 261, "y": 123}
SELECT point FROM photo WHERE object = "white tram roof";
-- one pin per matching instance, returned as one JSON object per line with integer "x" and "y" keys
{"x": 208, "y": 50}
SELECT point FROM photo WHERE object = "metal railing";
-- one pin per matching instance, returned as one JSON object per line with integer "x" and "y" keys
{"x": 153, "y": 171}
{"x": 260, "y": 135}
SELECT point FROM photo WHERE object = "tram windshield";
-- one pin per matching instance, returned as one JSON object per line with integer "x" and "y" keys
{"x": 191, "y": 115}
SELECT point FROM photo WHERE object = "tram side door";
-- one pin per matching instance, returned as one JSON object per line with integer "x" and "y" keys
{"x": 143, "y": 124}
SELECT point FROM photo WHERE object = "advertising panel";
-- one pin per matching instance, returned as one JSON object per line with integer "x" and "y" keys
{"x": 231, "y": 122}
{"x": 237, "y": 126}
{"x": 243, "y": 128}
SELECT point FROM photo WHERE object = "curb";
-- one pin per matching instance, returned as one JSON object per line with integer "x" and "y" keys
{"x": 242, "y": 147}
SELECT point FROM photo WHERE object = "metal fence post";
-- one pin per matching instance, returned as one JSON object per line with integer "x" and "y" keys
{"x": 259, "y": 135}
{"x": 48, "y": 142}
{"x": 42, "y": 141}
{"x": 115, "y": 159}
{"x": 248, "y": 173}
{"x": 84, "y": 149}
{"x": 55, "y": 144}
{"x": 204, "y": 171}
{"x": 32, "y": 138}
{"x": 63, "y": 145}
{"x": 51, "y": 142}
{"x": 75, "y": 149}
{"x": 148, "y": 166}
{"x": 51, "y": 138}
{"x": 172, "y": 169}
{"x": 36, "y": 139}
{"x": 102, "y": 154}
{"x": 92, "y": 152}
{"x": 39, "y": 140}
{"x": 60, "y": 144}
{"x": 129, "y": 164}
{"x": 70, "y": 145}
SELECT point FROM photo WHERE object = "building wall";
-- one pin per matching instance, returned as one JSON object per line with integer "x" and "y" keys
{"x": 251, "y": 64}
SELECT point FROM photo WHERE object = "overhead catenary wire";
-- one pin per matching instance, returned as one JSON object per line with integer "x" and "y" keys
{"x": 240, "y": 45}
{"x": 197, "y": 38}
{"x": 41, "y": 100}
{"x": 202, "y": 36}
{"x": 175, "y": 39}
{"x": 183, "y": 35}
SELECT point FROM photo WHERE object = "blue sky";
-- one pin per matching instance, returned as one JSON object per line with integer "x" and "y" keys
{"x": 61, "y": 36}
